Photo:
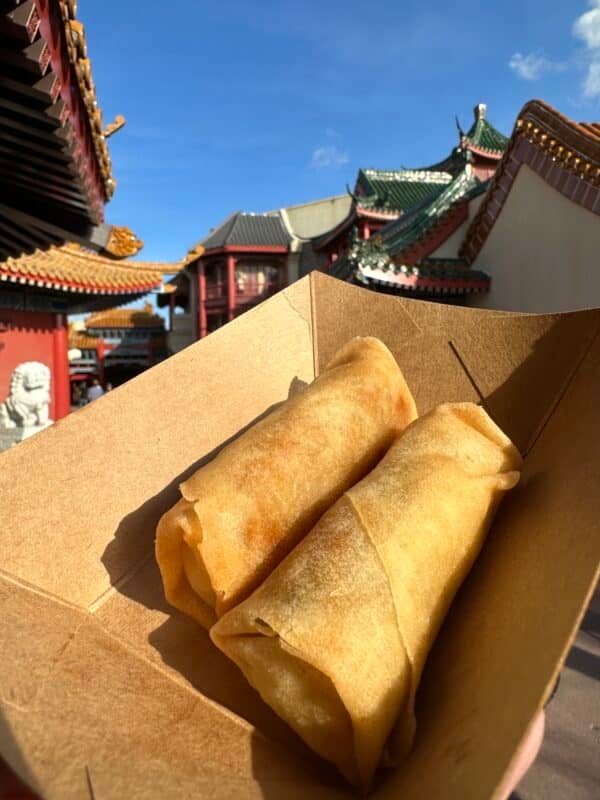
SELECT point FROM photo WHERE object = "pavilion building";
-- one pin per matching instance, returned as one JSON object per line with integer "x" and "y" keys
{"x": 57, "y": 254}
{"x": 418, "y": 209}
{"x": 128, "y": 341}
{"x": 38, "y": 292}
{"x": 244, "y": 260}
{"x": 525, "y": 239}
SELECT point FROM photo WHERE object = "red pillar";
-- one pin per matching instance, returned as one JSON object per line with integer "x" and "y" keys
{"x": 366, "y": 231}
{"x": 100, "y": 356}
{"x": 230, "y": 287}
{"x": 202, "y": 323}
{"x": 60, "y": 377}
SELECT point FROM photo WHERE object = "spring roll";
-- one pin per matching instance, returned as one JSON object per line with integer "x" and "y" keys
{"x": 245, "y": 510}
{"x": 336, "y": 638}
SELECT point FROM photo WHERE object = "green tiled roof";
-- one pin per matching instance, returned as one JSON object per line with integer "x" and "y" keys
{"x": 483, "y": 135}
{"x": 398, "y": 190}
{"x": 401, "y": 233}
{"x": 453, "y": 163}
{"x": 369, "y": 264}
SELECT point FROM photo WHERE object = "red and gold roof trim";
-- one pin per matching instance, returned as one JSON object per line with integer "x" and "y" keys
{"x": 564, "y": 153}
{"x": 71, "y": 269}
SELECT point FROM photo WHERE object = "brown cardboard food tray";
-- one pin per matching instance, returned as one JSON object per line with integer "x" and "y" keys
{"x": 106, "y": 692}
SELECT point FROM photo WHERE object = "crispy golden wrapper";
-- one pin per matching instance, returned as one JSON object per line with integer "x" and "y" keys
{"x": 245, "y": 510}
{"x": 336, "y": 638}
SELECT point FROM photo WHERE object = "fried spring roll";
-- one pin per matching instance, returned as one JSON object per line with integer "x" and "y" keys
{"x": 245, "y": 510}
{"x": 336, "y": 638}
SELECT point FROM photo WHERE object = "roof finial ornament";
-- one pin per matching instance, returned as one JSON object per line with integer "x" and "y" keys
{"x": 351, "y": 193}
{"x": 114, "y": 126}
{"x": 461, "y": 133}
{"x": 480, "y": 111}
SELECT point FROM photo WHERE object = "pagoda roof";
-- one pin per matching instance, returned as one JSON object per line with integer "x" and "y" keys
{"x": 125, "y": 318}
{"x": 565, "y": 154}
{"x": 398, "y": 236}
{"x": 55, "y": 168}
{"x": 241, "y": 229}
{"x": 397, "y": 191}
{"x": 69, "y": 268}
{"x": 397, "y": 194}
{"x": 369, "y": 264}
{"x": 82, "y": 340}
{"x": 482, "y": 137}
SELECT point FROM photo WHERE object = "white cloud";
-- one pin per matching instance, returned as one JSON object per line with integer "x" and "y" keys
{"x": 591, "y": 85}
{"x": 532, "y": 66}
{"x": 328, "y": 156}
{"x": 587, "y": 26}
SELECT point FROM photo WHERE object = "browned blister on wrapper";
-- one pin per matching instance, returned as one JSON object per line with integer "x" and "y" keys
{"x": 245, "y": 510}
{"x": 336, "y": 638}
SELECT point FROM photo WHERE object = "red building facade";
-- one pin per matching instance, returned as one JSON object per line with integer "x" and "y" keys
{"x": 36, "y": 336}
{"x": 126, "y": 341}
{"x": 37, "y": 293}
{"x": 239, "y": 264}
{"x": 55, "y": 179}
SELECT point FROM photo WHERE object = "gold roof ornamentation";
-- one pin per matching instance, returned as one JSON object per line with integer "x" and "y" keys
{"x": 194, "y": 253}
{"x": 564, "y": 153}
{"x": 78, "y": 56}
{"x": 114, "y": 126}
{"x": 125, "y": 318}
{"x": 75, "y": 270}
{"x": 122, "y": 242}
{"x": 82, "y": 340}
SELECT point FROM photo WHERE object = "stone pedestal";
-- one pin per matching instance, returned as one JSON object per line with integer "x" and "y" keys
{"x": 11, "y": 436}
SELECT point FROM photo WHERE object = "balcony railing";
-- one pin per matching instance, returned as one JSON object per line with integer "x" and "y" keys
{"x": 216, "y": 291}
{"x": 253, "y": 289}
{"x": 243, "y": 292}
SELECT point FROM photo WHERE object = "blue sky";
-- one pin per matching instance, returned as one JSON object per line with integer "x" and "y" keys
{"x": 256, "y": 105}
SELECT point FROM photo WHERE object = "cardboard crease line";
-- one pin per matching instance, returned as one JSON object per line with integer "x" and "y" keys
{"x": 470, "y": 378}
{"x": 8, "y": 577}
{"x": 116, "y": 585}
{"x": 561, "y": 393}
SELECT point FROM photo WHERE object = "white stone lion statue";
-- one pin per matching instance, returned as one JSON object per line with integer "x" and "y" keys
{"x": 28, "y": 401}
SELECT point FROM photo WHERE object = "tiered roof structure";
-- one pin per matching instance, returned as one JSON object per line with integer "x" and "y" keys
{"x": 55, "y": 169}
{"x": 56, "y": 173}
{"x": 368, "y": 264}
{"x": 70, "y": 278}
{"x": 384, "y": 195}
{"x": 55, "y": 178}
{"x": 420, "y": 208}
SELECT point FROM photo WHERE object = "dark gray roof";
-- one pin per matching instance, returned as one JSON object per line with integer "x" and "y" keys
{"x": 248, "y": 229}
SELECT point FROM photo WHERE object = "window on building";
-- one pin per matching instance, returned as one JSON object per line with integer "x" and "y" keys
{"x": 255, "y": 279}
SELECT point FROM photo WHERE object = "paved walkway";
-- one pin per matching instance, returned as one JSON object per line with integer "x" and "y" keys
{"x": 568, "y": 766}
